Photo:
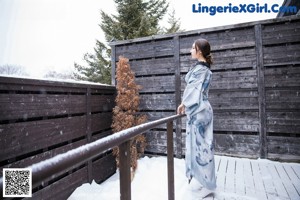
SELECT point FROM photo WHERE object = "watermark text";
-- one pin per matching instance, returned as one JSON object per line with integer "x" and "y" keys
{"x": 243, "y": 8}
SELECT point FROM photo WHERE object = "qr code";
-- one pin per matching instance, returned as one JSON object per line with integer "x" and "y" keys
{"x": 17, "y": 182}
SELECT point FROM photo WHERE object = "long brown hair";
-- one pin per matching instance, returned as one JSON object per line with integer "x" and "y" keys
{"x": 204, "y": 46}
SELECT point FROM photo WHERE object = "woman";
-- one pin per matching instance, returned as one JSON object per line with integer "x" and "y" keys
{"x": 199, "y": 155}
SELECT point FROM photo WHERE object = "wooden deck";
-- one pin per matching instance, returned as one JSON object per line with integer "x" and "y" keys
{"x": 239, "y": 178}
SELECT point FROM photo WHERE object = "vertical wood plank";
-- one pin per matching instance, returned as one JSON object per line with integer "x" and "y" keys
{"x": 218, "y": 160}
{"x": 170, "y": 149}
{"x": 221, "y": 174}
{"x": 260, "y": 191}
{"x": 177, "y": 95}
{"x": 267, "y": 180}
{"x": 249, "y": 181}
{"x": 230, "y": 176}
{"x": 240, "y": 179}
{"x": 261, "y": 91}
{"x": 125, "y": 172}
{"x": 88, "y": 130}
{"x": 113, "y": 64}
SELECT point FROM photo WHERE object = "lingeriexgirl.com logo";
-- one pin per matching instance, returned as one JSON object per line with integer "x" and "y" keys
{"x": 244, "y": 8}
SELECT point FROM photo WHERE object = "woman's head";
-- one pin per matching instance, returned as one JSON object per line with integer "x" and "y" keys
{"x": 201, "y": 50}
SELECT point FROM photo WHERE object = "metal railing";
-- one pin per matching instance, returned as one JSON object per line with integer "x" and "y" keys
{"x": 43, "y": 171}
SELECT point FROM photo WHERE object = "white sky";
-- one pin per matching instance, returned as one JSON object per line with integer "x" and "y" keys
{"x": 43, "y": 35}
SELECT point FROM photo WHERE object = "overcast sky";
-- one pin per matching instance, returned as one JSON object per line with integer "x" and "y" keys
{"x": 43, "y": 35}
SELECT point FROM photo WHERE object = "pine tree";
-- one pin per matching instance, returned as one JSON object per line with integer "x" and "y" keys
{"x": 174, "y": 24}
{"x": 125, "y": 113}
{"x": 135, "y": 18}
{"x": 99, "y": 66}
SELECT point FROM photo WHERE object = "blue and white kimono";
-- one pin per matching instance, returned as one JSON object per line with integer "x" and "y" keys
{"x": 199, "y": 155}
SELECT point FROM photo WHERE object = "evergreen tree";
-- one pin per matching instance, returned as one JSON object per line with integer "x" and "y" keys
{"x": 174, "y": 24}
{"x": 99, "y": 66}
{"x": 135, "y": 18}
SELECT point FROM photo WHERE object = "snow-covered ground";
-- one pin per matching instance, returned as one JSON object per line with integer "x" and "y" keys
{"x": 150, "y": 182}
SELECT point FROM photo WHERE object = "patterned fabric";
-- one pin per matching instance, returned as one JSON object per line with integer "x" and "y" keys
{"x": 199, "y": 155}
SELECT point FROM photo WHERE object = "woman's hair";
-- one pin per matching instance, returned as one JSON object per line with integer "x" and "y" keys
{"x": 203, "y": 45}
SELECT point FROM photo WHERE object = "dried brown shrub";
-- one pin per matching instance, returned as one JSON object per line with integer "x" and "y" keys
{"x": 125, "y": 113}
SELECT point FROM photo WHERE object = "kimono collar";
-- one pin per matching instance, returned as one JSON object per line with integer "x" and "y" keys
{"x": 202, "y": 63}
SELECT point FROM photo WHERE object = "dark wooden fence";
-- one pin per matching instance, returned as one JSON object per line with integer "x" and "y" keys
{"x": 40, "y": 119}
{"x": 254, "y": 92}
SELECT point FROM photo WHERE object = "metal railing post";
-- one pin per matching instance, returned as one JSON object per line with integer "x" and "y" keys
{"x": 170, "y": 153}
{"x": 125, "y": 172}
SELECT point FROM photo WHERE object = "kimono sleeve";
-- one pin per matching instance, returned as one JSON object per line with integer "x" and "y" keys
{"x": 193, "y": 92}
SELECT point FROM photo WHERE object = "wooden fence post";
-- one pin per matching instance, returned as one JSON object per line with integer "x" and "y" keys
{"x": 177, "y": 95}
{"x": 88, "y": 130}
{"x": 113, "y": 64}
{"x": 170, "y": 152}
{"x": 261, "y": 91}
{"x": 125, "y": 171}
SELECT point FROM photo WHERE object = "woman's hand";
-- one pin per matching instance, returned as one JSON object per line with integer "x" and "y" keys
{"x": 181, "y": 109}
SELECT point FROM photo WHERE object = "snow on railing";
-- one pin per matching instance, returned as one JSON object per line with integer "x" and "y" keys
{"x": 44, "y": 170}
